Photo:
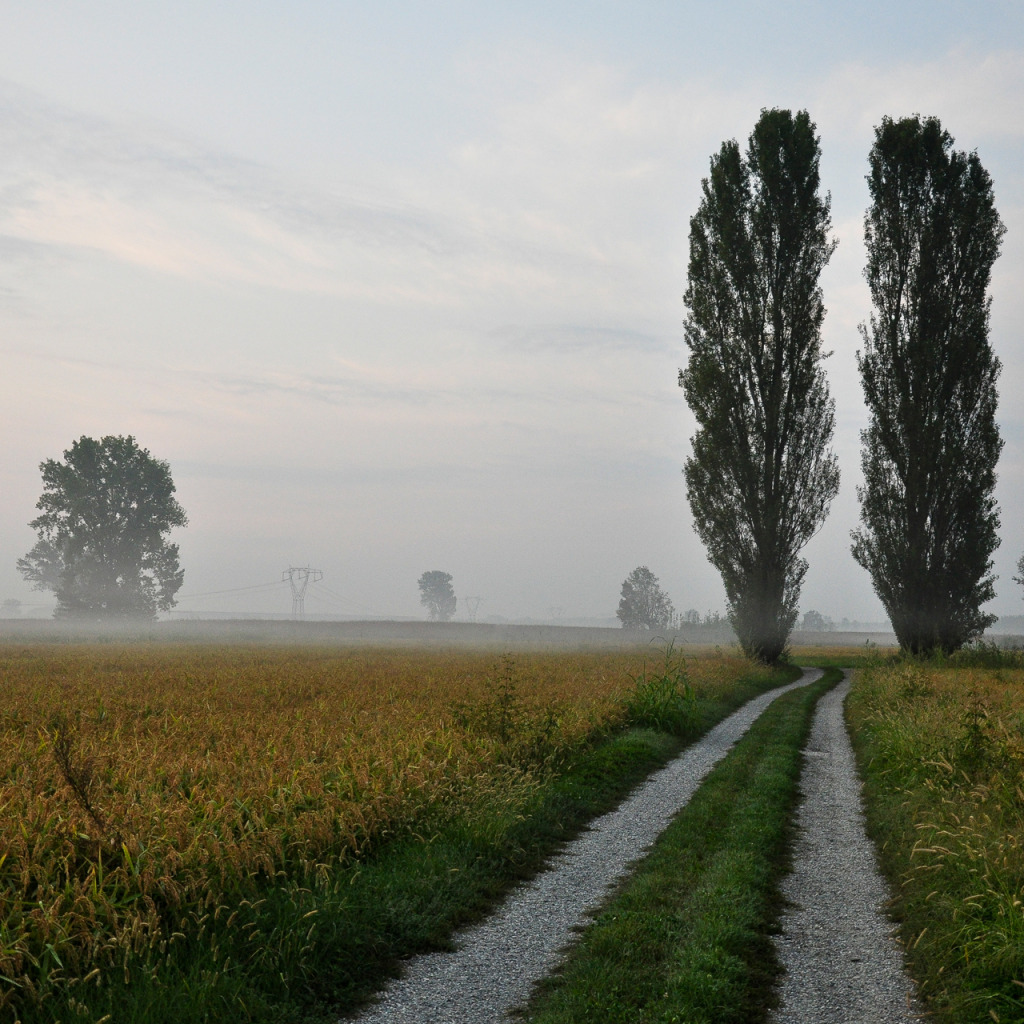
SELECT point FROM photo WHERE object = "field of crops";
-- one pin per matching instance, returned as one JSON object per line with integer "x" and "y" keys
{"x": 151, "y": 795}
{"x": 943, "y": 750}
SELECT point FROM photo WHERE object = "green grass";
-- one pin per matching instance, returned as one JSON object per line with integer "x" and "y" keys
{"x": 688, "y": 937}
{"x": 862, "y": 656}
{"x": 941, "y": 746}
{"x": 310, "y": 954}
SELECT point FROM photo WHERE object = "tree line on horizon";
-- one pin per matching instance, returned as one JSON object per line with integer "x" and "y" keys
{"x": 644, "y": 605}
{"x": 761, "y": 477}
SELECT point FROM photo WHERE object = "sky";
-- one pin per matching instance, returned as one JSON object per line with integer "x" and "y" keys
{"x": 398, "y": 287}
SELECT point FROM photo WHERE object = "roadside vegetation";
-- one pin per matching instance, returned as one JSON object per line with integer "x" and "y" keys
{"x": 851, "y": 656}
{"x": 941, "y": 746}
{"x": 687, "y": 938}
{"x": 261, "y": 833}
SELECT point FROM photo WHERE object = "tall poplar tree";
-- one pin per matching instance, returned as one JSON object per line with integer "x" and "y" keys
{"x": 761, "y": 476}
{"x": 929, "y": 375}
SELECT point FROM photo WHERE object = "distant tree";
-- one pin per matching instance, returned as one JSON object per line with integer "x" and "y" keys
{"x": 929, "y": 375}
{"x": 761, "y": 477}
{"x": 11, "y": 608}
{"x": 815, "y": 622}
{"x": 691, "y": 617}
{"x": 644, "y": 605}
{"x": 437, "y": 595}
{"x": 102, "y": 548}
{"x": 1019, "y": 578}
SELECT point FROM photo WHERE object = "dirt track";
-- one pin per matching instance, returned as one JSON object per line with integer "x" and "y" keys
{"x": 842, "y": 964}
{"x": 496, "y": 963}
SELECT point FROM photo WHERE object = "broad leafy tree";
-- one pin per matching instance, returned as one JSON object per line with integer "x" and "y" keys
{"x": 761, "y": 476}
{"x": 437, "y": 595}
{"x": 929, "y": 375}
{"x": 815, "y": 622}
{"x": 643, "y": 604}
{"x": 102, "y": 550}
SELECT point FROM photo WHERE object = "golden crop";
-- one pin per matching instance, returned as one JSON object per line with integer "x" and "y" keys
{"x": 143, "y": 787}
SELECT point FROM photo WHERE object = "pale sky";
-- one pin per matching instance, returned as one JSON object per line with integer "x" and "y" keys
{"x": 398, "y": 287}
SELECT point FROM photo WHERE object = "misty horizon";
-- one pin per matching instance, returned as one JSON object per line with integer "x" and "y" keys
{"x": 402, "y": 291}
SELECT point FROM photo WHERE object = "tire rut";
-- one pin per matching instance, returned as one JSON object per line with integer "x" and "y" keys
{"x": 843, "y": 965}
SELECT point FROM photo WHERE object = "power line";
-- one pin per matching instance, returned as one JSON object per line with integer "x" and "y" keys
{"x": 324, "y": 593}
{"x": 298, "y": 579}
{"x": 231, "y": 590}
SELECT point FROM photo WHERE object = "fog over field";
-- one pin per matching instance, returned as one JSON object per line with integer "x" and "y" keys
{"x": 399, "y": 287}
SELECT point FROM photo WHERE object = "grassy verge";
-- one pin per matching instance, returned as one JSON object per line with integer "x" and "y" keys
{"x": 320, "y": 940}
{"x": 845, "y": 657}
{"x": 688, "y": 937}
{"x": 941, "y": 747}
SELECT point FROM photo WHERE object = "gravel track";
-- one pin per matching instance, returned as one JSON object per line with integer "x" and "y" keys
{"x": 496, "y": 963}
{"x": 843, "y": 965}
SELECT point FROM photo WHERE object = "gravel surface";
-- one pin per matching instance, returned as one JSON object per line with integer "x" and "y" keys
{"x": 497, "y": 962}
{"x": 842, "y": 963}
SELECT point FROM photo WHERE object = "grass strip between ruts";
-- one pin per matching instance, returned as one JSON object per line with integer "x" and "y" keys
{"x": 688, "y": 936}
{"x": 408, "y": 899}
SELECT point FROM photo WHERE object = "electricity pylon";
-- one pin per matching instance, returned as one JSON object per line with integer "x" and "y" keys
{"x": 299, "y": 579}
{"x": 471, "y": 604}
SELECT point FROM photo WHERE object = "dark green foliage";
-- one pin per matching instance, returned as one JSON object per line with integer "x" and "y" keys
{"x": 929, "y": 376}
{"x": 643, "y": 604}
{"x": 761, "y": 476}
{"x": 437, "y": 595}
{"x": 102, "y": 548}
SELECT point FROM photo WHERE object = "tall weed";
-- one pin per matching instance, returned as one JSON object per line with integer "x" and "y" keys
{"x": 662, "y": 698}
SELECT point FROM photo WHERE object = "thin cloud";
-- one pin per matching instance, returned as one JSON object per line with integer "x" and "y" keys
{"x": 575, "y": 339}
{"x": 976, "y": 95}
{"x": 76, "y": 182}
